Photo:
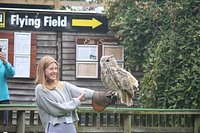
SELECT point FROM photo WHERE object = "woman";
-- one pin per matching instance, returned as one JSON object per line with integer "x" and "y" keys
{"x": 56, "y": 100}
{"x": 6, "y": 70}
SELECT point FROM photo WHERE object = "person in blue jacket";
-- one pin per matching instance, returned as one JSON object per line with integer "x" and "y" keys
{"x": 6, "y": 70}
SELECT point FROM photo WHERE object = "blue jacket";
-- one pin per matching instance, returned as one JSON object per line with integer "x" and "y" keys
{"x": 5, "y": 71}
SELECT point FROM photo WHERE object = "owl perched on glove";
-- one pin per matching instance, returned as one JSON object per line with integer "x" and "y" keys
{"x": 117, "y": 79}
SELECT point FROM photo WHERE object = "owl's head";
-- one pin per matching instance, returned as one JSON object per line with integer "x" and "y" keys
{"x": 108, "y": 61}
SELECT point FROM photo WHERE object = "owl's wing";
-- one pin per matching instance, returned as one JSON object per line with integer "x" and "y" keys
{"x": 105, "y": 78}
{"x": 123, "y": 80}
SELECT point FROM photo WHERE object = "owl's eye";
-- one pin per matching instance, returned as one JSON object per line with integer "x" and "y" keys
{"x": 107, "y": 60}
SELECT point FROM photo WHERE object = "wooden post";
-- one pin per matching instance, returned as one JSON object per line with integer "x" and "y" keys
{"x": 197, "y": 124}
{"x": 20, "y": 121}
{"x": 1, "y": 117}
{"x": 57, "y": 4}
{"x": 127, "y": 123}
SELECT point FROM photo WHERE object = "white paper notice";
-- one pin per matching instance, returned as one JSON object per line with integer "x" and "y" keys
{"x": 87, "y": 53}
{"x": 22, "y": 54}
{"x": 22, "y": 66}
{"x": 22, "y": 43}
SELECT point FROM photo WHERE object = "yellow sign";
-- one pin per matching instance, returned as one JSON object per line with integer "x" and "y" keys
{"x": 2, "y": 19}
{"x": 86, "y": 23}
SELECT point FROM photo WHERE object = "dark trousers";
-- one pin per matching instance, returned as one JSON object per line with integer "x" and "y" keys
{"x": 5, "y": 113}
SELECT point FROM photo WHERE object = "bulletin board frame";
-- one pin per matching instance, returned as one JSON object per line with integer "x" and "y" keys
{"x": 116, "y": 51}
{"x": 86, "y": 69}
{"x": 22, "y": 52}
{"x": 11, "y": 54}
{"x": 87, "y": 53}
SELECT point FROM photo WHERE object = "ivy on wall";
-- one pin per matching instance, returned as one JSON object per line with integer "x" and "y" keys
{"x": 162, "y": 39}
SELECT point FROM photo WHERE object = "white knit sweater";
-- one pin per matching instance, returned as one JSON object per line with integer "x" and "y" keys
{"x": 58, "y": 105}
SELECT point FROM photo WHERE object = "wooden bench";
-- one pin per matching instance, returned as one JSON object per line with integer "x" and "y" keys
{"x": 24, "y": 119}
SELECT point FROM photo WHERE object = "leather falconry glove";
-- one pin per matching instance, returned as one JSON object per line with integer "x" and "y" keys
{"x": 101, "y": 100}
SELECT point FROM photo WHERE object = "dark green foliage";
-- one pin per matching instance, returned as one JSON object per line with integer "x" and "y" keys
{"x": 162, "y": 40}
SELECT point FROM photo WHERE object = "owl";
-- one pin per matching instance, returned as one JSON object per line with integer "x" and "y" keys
{"x": 118, "y": 80}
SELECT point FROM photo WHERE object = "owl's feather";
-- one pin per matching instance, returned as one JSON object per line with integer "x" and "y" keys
{"x": 117, "y": 79}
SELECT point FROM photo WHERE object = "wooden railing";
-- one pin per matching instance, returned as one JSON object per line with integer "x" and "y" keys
{"x": 24, "y": 119}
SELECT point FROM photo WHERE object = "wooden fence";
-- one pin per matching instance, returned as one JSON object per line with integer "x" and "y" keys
{"x": 24, "y": 119}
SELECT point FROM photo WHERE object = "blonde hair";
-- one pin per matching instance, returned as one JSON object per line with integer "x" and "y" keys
{"x": 40, "y": 74}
